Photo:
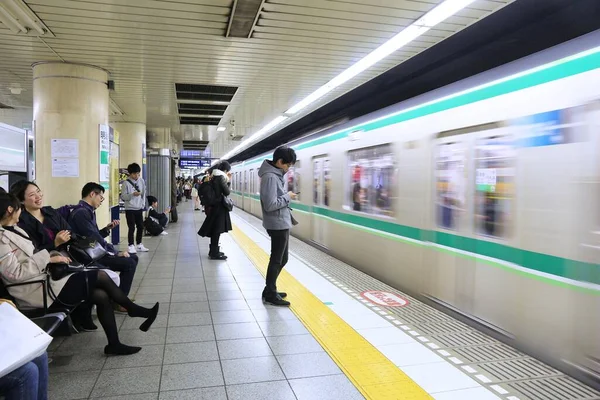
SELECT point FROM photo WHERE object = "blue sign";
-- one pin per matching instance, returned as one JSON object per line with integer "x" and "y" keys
{"x": 545, "y": 129}
{"x": 194, "y": 163}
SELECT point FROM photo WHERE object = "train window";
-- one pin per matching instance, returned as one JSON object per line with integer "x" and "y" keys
{"x": 251, "y": 181}
{"x": 372, "y": 180}
{"x": 450, "y": 184}
{"x": 494, "y": 185}
{"x": 293, "y": 179}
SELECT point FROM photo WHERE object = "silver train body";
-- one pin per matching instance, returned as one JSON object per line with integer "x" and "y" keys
{"x": 483, "y": 196}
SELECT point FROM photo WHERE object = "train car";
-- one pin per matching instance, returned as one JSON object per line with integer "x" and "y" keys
{"x": 482, "y": 196}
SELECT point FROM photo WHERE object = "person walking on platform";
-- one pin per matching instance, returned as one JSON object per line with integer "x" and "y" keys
{"x": 277, "y": 218}
{"x": 134, "y": 196}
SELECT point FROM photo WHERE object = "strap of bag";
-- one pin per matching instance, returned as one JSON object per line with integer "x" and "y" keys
{"x": 54, "y": 297}
{"x": 137, "y": 189}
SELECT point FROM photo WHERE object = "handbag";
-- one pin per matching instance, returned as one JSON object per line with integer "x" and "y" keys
{"x": 227, "y": 203}
{"x": 85, "y": 250}
{"x": 57, "y": 271}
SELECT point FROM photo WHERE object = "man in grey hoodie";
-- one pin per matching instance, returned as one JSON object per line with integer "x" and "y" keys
{"x": 134, "y": 195}
{"x": 277, "y": 218}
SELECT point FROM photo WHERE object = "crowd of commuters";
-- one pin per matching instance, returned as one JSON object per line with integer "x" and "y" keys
{"x": 35, "y": 238}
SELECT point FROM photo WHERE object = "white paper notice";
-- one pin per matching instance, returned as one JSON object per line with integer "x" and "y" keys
{"x": 65, "y": 148}
{"x": 65, "y": 167}
{"x": 4, "y": 182}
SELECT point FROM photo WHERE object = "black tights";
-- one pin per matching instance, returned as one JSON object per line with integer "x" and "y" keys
{"x": 103, "y": 292}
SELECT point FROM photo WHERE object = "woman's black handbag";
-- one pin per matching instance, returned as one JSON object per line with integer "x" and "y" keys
{"x": 227, "y": 203}
{"x": 85, "y": 250}
{"x": 57, "y": 271}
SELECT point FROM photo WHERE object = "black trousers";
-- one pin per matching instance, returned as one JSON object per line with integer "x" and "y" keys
{"x": 125, "y": 265}
{"x": 280, "y": 241}
{"x": 135, "y": 218}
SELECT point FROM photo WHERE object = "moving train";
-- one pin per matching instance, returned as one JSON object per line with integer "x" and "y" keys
{"x": 482, "y": 197}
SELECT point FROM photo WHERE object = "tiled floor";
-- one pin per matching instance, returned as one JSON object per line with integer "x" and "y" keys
{"x": 214, "y": 338}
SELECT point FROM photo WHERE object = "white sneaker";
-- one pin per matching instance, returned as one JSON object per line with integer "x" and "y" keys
{"x": 140, "y": 247}
{"x": 164, "y": 233}
{"x": 131, "y": 249}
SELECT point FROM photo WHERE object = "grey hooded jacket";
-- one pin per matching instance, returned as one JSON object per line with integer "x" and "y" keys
{"x": 273, "y": 198}
{"x": 134, "y": 202}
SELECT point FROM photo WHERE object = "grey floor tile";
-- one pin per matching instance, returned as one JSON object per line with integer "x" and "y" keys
{"x": 228, "y": 305}
{"x": 134, "y": 323}
{"x": 294, "y": 344}
{"x": 244, "y": 348}
{"x": 251, "y": 370}
{"x": 191, "y": 376}
{"x": 308, "y": 365}
{"x": 238, "y": 331}
{"x": 279, "y": 390}
{"x": 188, "y": 288}
{"x": 88, "y": 340}
{"x": 159, "y": 274}
{"x": 67, "y": 385}
{"x": 147, "y": 282}
{"x": 210, "y": 280}
{"x": 186, "y": 334}
{"x": 189, "y": 319}
{"x": 153, "y": 298}
{"x": 228, "y": 295}
{"x": 75, "y": 360}
{"x": 188, "y": 274}
{"x": 56, "y": 342}
{"x": 142, "y": 396}
{"x": 177, "y": 353}
{"x": 127, "y": 381}
{"x": 213, "y": 393}
{"x": 154, "y": 290}
{"x": 282, "y": 328}
{"x": 187, "y": 297}
{"x": 251, "y": 294}
{"x": 188, "y": 281}
{"x": 222, "y": 286}
{"x": 135, "y": 337}
{"x": 191, "y": 307}
{"x": 277, "y": 314}
{"x": 231, "y": 317}
{"x": 325, "y": 388}
{"x": 148, "y": 356}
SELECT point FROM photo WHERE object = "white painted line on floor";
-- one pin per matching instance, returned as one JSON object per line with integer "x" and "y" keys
{"x": 423, "y": 339}
{"x": 499, "y": 389}
{"x": 414, "y": 333}
{"x": 444, "y": 353}
{"x": 483, "y": 378}
{"x": 469, "y": 369}
{"x": 389, "y": 317}
{"x": 405, "y": 328}
{"x": 512, "y": 398}
{"x": 433, "y": 346}
{"x": 455, "y": 360}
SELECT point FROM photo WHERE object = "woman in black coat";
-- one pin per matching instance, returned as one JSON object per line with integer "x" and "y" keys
{"x": 217, "y": 219}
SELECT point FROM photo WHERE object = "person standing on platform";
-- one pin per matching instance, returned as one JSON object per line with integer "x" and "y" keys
{"x": 277, "y": 218}
{"x": 134, "y": 196}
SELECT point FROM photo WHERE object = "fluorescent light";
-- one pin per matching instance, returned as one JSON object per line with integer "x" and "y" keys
{"x": 407, "y": 35}
{"x": 24, "y": 14}
{"x": 221, "y": 129}
{"x": 11, "y": 23}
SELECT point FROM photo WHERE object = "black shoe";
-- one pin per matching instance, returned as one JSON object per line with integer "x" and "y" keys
{"x": 283, "y": 295}
{"x": 87, "y": 326}
{"x": 219, "y": 256}
{"x": 277, "y": 301}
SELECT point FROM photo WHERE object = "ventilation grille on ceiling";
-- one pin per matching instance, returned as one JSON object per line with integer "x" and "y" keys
{"x": 4, "y": 106}
{"x": 196, "y": 103}
{"x": 195, "y": 144}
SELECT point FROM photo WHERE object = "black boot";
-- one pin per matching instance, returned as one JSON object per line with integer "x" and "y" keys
{"x": 277, "y": 301}
{"x": 215, "y": 254}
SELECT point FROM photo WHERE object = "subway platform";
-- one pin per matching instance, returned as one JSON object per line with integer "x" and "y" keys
{"x": 347, "y": 336}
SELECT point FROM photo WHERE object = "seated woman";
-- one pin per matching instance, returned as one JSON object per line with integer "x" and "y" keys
{"x": 29, "y": 381}
{"x": 20, "y": 262}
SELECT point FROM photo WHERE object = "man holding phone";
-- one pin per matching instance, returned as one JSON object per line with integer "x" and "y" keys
{"x": 277, "y": 218}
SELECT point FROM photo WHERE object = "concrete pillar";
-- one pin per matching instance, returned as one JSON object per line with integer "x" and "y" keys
{"x": 132, "y": 137}
{"x": 70, "y": 101}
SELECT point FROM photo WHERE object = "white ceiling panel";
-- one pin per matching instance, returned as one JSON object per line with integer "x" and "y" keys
{"x": 149, "y": 45}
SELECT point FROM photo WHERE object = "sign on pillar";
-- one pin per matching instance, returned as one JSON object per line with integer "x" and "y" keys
{"x": 104, "y": 157}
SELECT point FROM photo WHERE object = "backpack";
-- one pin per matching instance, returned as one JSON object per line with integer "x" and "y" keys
{"x": 65, "y": 211}
{"x": 208, "y": 196}
{"x": 153, "y": 227}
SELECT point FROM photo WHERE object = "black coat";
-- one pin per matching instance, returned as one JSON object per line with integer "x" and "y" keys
{"x": 217, "y": 216}
{"x": 34, "y": 228}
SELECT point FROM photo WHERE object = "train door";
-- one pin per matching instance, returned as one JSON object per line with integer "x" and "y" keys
{"x": 252, "y": 208}
{"x": 321, "y": 199}
{"x": 451, "y": 277}
{"x": 245, "y": 201}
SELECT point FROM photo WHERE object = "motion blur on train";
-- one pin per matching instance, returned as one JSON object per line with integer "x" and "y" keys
{"x": 482, "y": 196}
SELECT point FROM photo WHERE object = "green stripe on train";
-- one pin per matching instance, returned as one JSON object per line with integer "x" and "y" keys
{"x": 552, "y": 265}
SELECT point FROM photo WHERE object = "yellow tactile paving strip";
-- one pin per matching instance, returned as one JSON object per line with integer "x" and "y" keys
{"x": 370, "y": 371}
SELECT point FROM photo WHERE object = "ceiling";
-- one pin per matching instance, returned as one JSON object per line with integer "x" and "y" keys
{"x": 148, "y": 46}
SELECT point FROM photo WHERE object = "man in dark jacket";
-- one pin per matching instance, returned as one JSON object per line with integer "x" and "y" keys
{"x": 83, "y": 223}
{"x": 277, "y": 218}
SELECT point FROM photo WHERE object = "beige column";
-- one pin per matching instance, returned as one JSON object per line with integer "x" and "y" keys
{"x": 132, "y": 137}
{"x": 70, "y": 101}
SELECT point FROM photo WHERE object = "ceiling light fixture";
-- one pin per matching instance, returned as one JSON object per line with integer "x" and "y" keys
{"x": 440, "y": 13}
{"x": 114, "y": 108}
{"x": 221, "y": 129}
{"x": 19, "y": 18}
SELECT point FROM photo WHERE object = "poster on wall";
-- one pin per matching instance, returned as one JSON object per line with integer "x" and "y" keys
{"x": 104, "y": 156}
{"x": 114, "y": 169}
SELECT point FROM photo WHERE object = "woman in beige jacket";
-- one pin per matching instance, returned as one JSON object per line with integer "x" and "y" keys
{"x": 19, "y": 262}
